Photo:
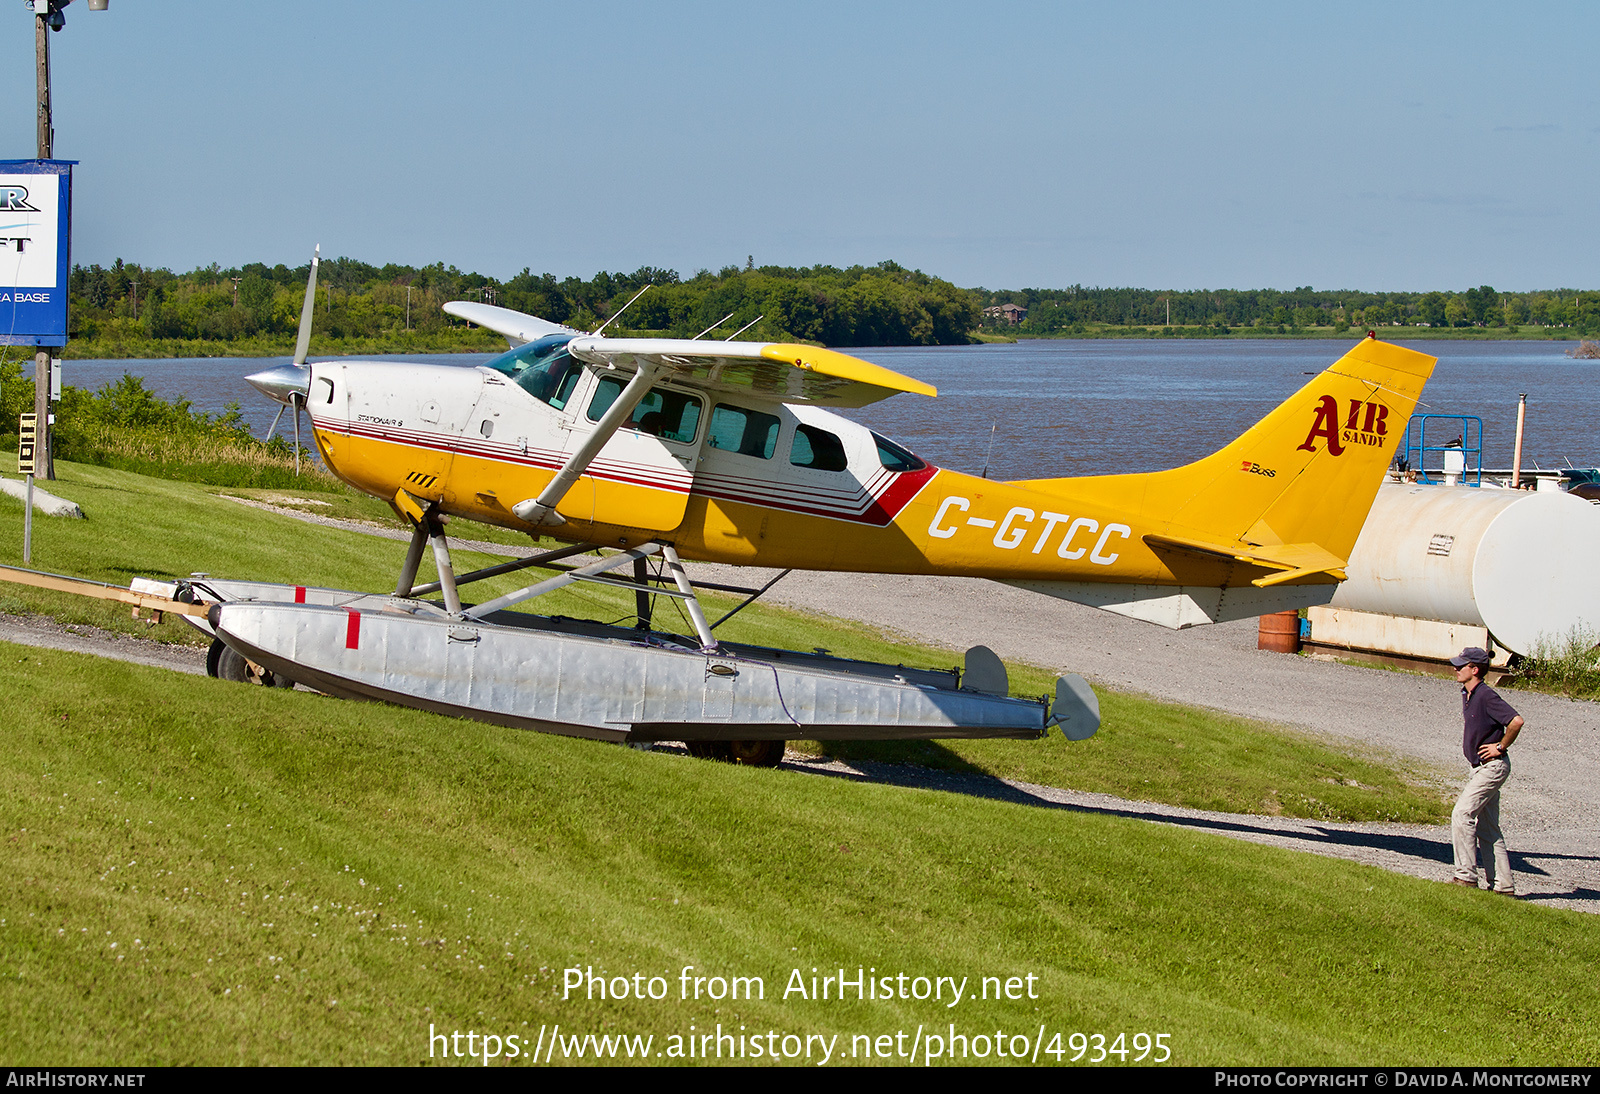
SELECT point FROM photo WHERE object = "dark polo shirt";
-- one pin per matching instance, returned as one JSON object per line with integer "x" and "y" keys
{"x": 1486, "y": 717}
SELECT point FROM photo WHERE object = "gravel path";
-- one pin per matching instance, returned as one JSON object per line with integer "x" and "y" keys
{"x": 1549, "y": 807}
{"x": 46, "y": 633}
{"x": 1544, "y": 875}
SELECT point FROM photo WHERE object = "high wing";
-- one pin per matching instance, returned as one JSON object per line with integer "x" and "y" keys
{"x": 780, "y": 371}
{"x": 518, "y": 328}
{"x": 784, "y": 372}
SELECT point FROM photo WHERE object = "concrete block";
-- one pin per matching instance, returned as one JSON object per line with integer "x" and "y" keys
{"x": 46, "y": 503}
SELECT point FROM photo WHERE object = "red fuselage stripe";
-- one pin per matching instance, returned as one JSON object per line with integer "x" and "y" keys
{"x": 876, "y": 511}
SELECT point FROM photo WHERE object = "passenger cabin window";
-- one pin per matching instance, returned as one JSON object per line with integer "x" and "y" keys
{"x": 895, "y": 458}
{"x": 817, "y": 448}
{"x": 544, "y": 369}
{"x": 747, "y": 432}
{"x": 670, "y": 415}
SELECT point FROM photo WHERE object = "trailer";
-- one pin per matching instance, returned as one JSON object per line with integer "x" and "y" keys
{"x": 583, "y": 678}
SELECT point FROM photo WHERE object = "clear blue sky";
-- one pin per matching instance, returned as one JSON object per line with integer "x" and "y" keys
{"x": 1163, "y": 145}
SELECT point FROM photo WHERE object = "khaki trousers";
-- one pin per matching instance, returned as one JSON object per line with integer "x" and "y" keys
{"x": 1475, "y": 824}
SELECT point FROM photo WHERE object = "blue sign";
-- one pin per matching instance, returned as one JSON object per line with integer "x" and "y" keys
{"x": 35, "y": 251}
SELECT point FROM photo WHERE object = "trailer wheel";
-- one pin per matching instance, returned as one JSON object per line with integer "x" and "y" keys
{"x": 710, "y": 750}
{"x": 231, "y": 665}
{"x": 756, "y": 753}
{"x": 213, "y": 655}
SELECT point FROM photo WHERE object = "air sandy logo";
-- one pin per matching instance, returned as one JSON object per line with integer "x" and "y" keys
{"x": 1370, "y": 428}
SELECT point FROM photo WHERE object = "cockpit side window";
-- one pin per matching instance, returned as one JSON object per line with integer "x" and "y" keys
{"x": 552, "y": 380}
{"x": 670, "y": 415}
{"x": 895, "y": 458}
{"x": 817, "y": 448}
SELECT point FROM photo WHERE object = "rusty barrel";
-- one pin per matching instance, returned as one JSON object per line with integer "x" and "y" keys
{"x": 1280, "y": 632}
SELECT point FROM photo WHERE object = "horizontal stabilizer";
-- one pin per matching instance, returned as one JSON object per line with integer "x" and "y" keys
{"x": 1290, "y": 560}
{"x": 1076, "y": 710}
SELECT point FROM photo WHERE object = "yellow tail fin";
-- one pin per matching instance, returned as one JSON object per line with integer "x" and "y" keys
{"x": 1292, "y": 493}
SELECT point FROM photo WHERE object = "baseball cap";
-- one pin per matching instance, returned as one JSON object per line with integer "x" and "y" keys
{"x": 1472, "y": 655}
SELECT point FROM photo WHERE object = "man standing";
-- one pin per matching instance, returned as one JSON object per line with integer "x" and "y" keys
{"x": 1490, "y": 725}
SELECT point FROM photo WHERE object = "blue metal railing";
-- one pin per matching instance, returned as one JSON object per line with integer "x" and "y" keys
{"x": 1467, "y": 440}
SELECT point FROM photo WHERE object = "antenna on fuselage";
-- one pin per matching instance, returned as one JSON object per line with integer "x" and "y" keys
{"x": 712, "y": 327}
{"x": 622, "y": 309}
{"x": 744, "y": 328}
{"x": 990, "y": 454}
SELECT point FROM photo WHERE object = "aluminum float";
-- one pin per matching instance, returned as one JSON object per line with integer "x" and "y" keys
{"x": 589, "y": 679}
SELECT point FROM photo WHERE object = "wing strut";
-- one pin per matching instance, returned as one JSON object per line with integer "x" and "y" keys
{"x": 542, "y": 509}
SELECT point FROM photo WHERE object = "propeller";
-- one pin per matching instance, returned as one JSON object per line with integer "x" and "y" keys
{"x": 273, "y": 428}
{"x": 296, "y": 406}
{"x": 303, "y": 343}
{"x": 289, "y": 384}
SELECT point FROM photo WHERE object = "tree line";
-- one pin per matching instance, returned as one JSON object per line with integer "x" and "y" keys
{"x": 885, "y": 304}
{"x": 1073, "y": 310}
{"x": 878, "y": 305}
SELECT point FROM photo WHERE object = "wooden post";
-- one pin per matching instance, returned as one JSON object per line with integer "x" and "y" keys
{"x": 41, "y": 51}
{"x": 45, "y": 466}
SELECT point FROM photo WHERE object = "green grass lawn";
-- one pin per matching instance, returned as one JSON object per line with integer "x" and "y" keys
{"x": 197, "y": 872}
{"x": 200, "y": 872}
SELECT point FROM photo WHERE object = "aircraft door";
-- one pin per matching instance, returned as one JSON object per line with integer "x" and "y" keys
{"x": 641, "y": 478}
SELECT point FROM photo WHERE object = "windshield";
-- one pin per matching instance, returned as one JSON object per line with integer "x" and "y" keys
{"x": 514, "y": 361}
{"x": 542, "y": 368}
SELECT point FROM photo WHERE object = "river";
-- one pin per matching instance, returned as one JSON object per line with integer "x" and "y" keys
{"x": 1083, "y": 407}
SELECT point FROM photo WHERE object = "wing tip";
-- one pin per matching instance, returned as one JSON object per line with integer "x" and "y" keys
{"x": 833, "y": 363}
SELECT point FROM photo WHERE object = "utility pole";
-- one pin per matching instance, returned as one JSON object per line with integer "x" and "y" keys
{"x": 136, "y": 300}
{"x": 408, "y": 307}
{"x": 236, "y": 281}
{"x": 44, "y": 465}
{"x": 47, "y": 16}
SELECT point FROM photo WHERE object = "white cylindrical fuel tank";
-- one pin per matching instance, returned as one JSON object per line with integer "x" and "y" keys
{"x": 1520, "y": 563}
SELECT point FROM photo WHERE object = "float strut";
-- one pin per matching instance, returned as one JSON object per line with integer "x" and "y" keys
{"x": 611, "y": 562}
{"x": 708, "y": 641}
{"x": 641, "y": 599}
{"x": 543, "y": 559}
{"x": 441, "y": 561}
{"x": 408, "y": 572}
